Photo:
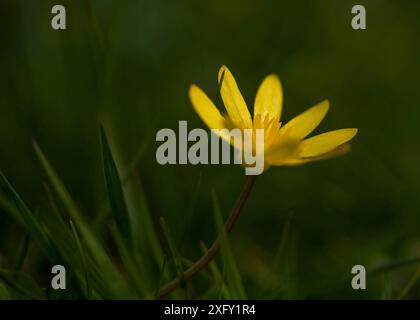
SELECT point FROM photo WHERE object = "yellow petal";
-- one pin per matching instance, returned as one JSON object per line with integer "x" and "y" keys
{"x": 326, "y": 142}
{"x": 210, "y": 114}
{"x": 233, "y": 100}
{"x": 337, "y": 152}
{"x": 269, "y": 99}
{"x": 205, "y": 108}
{"x": 306, "y": 122}
{"x": 283, "y": 151}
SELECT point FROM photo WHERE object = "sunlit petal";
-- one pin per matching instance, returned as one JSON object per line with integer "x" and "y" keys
{"x": 282, "y": 151}
{"x": 337, "y": 152}
{"x": 233, "y": 100}
{"x": 326, "y": 142}
{"x": 269, "y": 99}
{"x": 205, "y": 108}
{"x": 306, "y": 122}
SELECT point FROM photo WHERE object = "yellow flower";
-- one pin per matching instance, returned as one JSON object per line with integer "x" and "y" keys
{"x": 283, "y": 145}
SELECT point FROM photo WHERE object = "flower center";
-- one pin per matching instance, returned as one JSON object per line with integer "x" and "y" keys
{"x": 270, "y": 125}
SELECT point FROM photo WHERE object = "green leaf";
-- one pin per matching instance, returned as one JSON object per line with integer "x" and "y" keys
{"x": 233, "y": 277}
{"x": 115, "y": 191}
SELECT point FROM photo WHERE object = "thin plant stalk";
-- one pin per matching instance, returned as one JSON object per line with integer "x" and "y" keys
{"x": 211, "y": 253}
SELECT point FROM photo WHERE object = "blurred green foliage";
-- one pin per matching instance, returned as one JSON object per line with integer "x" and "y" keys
{"x": 128, "y": 65}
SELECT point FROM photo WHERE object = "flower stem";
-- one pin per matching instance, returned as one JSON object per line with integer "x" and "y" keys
{"x": 215, "y": 247}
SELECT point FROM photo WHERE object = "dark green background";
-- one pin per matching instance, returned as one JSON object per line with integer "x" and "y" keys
{"x": 128, "y": 64}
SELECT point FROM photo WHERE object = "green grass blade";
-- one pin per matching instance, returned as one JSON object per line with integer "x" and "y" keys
{"x": 22, "y": 252}
{"x": 160, "y": 278}
{"x": 21, "y": 285}
{"x": 410, "y": 284}
{"x": 82, "y": 258}
{"x": 233, "y": 278}
{"x": 25, "y": 216}
{"x": 145, "y": 237}
{"x": 387, "y": 290}
{"x": 4, "y": 292}
{"x": 115, "y": 281}
{"x": 191, "y": 211}
{"x": 175, "y": 257}
{"x": 143, "y": 230}
{"x": 146, "y": 246}
{"x": 10, "y": 208}
{"x": 115, "y": 191}
{"x": 136, "y": 277}
{"x": 64, "y": 239}
{"x": 221, "y": 289}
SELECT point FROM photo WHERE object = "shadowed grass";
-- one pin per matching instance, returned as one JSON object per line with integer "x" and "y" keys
{"x": 116, "y": 284}
{"x": 115, "y": 191}
{"x": 173, "y": 253}
{"x": 233, "y": 277}
{"x": 92, "y": 271}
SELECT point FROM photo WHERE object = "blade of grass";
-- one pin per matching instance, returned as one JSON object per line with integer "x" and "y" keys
{"x": 22, "y": 252}
{"x": 190, "y": 213}
{"x": 53, "y": 237}
{"x": 175, "y": 257}
{"x": 234, "y": 280}
{"x": 127, "y": 176}
{"x": 280, "y": 278}
{"x": 160, "y": 278}
{"x": 386, "y": 292}
{"x": 410, "y": 284}
{"x": 203, "y": 262}
{"x": 146, "y": 244}
{"x": 10, "y": 208}
{"x": 130, "y": 266}
{"x": 26, "y": 216}
{"x": 146, "y": 248}
{"x": 22, "y": 284}
{"x": 130, "y": 170}
{"x": 115, "y": 281}
{"x": 82, "y": 258}
{"x": 395, "y": 264}
{"x": 63, "y": 238}
{"x": 221, "y": 288}
{"x": 115, "y": 191}
{"x": 4, "y": 292}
